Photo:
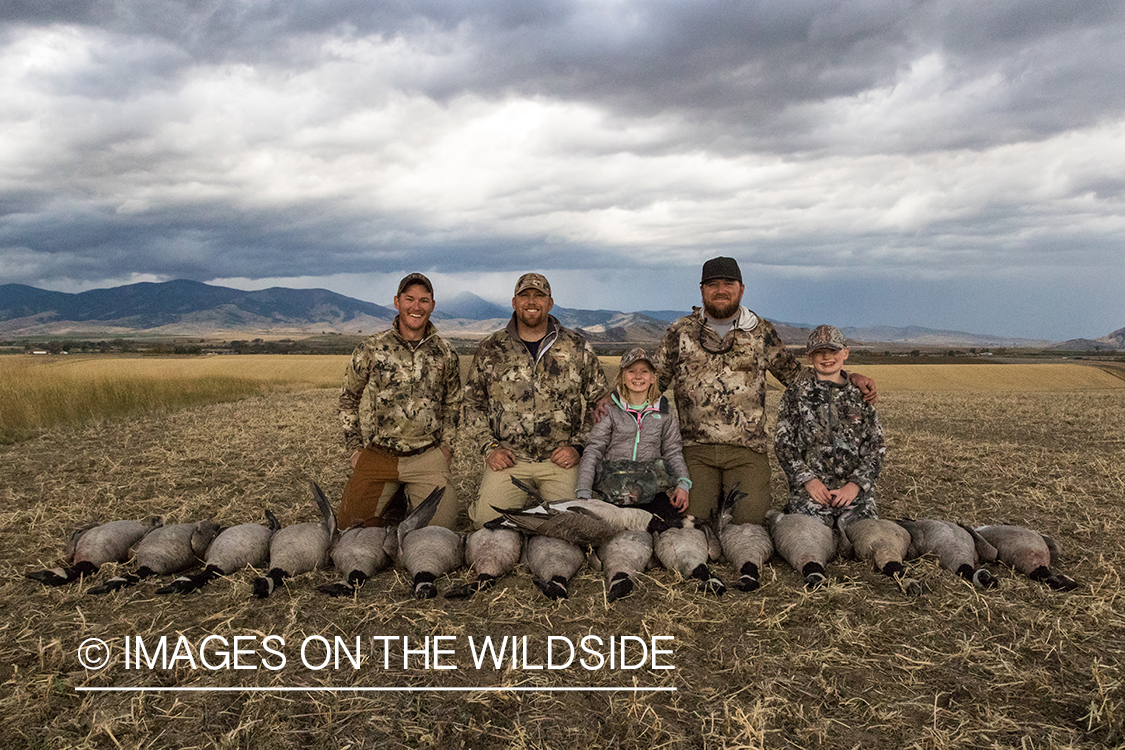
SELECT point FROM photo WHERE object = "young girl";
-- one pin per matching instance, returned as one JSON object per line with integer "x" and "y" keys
{"x": 631, "y": 452}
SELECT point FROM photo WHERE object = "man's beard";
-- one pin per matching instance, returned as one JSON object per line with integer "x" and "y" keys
{"x": 721, "y": 313}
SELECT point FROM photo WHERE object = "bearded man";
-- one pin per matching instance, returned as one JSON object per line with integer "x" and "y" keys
{"x": 716, "y": 360}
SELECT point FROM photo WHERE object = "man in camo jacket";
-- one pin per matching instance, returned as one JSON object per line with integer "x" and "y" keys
{"x": 828, "y": 440}
{"x": 716, "y": 360}
{"x": 529, "y": 401}
{"x": 413, "y": 380}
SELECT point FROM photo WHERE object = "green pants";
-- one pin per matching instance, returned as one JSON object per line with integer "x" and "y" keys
{"x": 716, "y": 469}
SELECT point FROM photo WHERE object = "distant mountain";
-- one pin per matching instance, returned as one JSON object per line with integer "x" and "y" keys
{"x": 918, "y": 336}
{"x": 182, "y": 308}
{"x": 190, "y": 308}
{"x": 1114, "y": 341}
{"x": 471, "y": 307}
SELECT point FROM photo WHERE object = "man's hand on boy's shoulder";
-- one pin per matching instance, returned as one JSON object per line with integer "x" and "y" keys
{"x": 865, "y": 385}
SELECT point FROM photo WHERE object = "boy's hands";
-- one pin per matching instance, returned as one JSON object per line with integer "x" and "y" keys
{"x": 817, "y": 491}
{"x": 679, "y": 499}
{"x": 840, "y": 498}
{"x": 844, "y": 496}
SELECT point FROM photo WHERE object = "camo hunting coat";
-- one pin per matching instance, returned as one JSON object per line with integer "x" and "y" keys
{"x": 720, "y": 384}
{"x": 827, "y": 431}
{"x": 532, "y": 406}
{"x": 415, "y": 392}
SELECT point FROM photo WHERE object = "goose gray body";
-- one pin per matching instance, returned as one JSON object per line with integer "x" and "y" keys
{"x": 427, "y": 553}
{"x": 168, "y": 549}
{"x": 365, "y": 550}
{"x": 623, "y": 556}
{"x": 94, "y": 545}
{"x": 954, "y": 546}
{"x": 300, "y": 548}
{"x": 805, "y": 543}
{"x": 884, "y": 544}
{"x": 1027, "y": 551}
{"x": 490, "y": 553}
{"x": 362, "y": 551}
{"x": 746, "y": 546}
{"x": 237, "y": 547}
{"x": 552, "y": 562}
{"x": 687, "y": 550}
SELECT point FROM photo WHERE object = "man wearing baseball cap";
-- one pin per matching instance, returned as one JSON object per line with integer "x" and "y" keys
{"x": 529, "y": 402}
{"x": 716, "y": 361}
{"x": 414, "y": 380}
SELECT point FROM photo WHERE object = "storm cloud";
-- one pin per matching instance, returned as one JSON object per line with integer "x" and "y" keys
{"x": 950, "y": 164}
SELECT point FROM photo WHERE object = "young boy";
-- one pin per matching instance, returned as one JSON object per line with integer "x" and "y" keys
{"x": 828, "y": 439}
{"x": 830, "y": 446}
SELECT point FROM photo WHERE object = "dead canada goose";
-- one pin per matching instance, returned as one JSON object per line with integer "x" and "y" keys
{"x": 686, "y": 550}
{"x": 957, "y": 549}
{"x": 805, "y": 542}
{"x": 885, "y": 544}
{"x": 622, "y": 557}
{"x": 747, "y": 546}
{"x": 428, "y": 551}
{"x": 235, "y": 548}
{"x": 168, "y": 549}
{"x": 359, "y": 553}
{"x": 1029, "y": 552}
{"x": 552, "y": 562}
{"x": 362, "y": 551}
{"x": 490, "y": 553}
{"x": 94, "y": 545}
{"x": 300, "y": 548}
{"x": 592, "y": 522}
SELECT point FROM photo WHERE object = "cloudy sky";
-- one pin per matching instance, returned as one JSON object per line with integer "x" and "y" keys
{"x": 946, "y": 164}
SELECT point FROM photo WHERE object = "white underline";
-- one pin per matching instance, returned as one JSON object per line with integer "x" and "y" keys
{"x": 375, "y": 689}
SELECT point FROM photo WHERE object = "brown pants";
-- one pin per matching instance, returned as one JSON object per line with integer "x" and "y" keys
{"x": 378, "y": 474}
{"x": 715, "y": 469}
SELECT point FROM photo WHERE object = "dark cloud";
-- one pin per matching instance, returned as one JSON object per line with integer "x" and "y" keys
{"x": 311, "y": 138}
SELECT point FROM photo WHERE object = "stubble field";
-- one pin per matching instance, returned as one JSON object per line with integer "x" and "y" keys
{"x": 853, "y": 665}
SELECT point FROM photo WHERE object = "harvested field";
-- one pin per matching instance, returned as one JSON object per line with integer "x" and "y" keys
{"x": 855, "y": 664}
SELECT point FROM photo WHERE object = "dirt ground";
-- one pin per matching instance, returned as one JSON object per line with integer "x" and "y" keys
{"x": 856, "y": 664}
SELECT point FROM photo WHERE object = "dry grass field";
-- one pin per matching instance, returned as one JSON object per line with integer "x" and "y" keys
{"x": 855, "y": 664}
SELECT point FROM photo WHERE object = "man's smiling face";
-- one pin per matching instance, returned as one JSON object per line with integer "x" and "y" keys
{"x": 414, "y": 305}
{"x": 531, "y": 307}
{"x": 721, "y": 297}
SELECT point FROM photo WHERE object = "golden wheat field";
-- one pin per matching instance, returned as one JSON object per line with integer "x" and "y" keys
{"x": 855, "y": 664}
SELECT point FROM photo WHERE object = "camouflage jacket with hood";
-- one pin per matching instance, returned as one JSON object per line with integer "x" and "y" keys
{"x": 827, "y": 431}
{"x": 414, "y": 392}
{"x": 720, "y": 384}
{"x": 532, "y": 406}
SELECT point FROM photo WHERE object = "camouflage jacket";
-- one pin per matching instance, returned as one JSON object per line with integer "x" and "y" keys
{"x": 827, "y": 431}
{"x": 532, "y": 406}
{"x": 720, "y": 384}
{"x": 414, "y": 392}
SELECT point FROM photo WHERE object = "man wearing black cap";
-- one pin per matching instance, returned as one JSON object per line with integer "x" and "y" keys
{"x": 716, "y": 360}
{"x": 414, "y": 383}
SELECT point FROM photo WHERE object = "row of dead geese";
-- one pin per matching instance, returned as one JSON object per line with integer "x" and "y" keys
{"x": 620, "y": 541}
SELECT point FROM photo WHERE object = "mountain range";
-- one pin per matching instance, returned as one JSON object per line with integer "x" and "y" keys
{"x": 192, "y": 308}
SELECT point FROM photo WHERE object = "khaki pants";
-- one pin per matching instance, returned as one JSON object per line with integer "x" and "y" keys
{"x": 378, "y": 474}
{"x": 496, "y": 488}
{"x": 715, "y": 469}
